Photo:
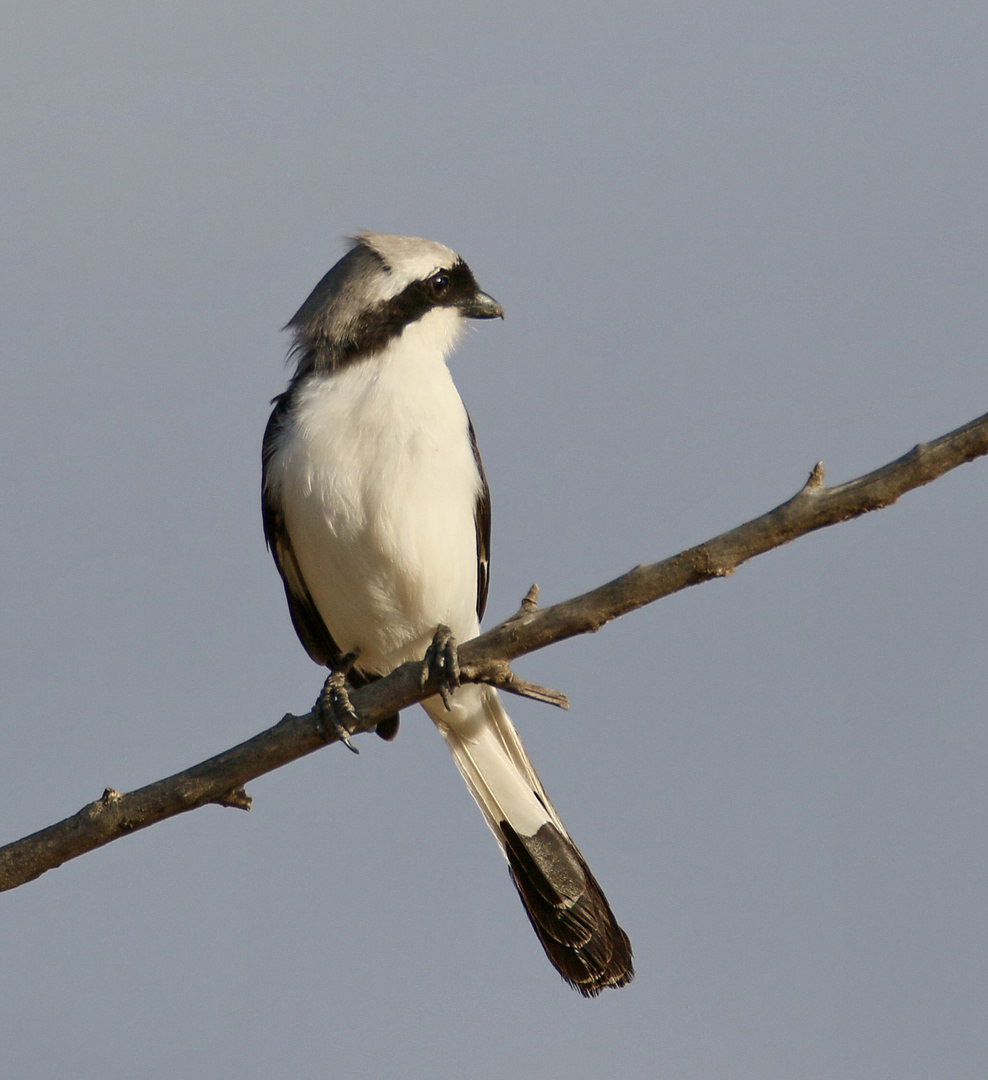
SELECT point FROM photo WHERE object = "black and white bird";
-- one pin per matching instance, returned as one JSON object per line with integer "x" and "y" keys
{"x": 377, "y": 512}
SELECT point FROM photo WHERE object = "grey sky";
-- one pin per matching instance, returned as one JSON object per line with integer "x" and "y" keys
{"x": 730, "y": 239}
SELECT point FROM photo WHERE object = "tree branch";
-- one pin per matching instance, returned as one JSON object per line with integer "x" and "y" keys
{"x": 221, "y": 779}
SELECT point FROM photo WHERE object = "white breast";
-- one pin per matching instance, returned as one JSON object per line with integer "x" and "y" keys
{"x": 377, "y": 478}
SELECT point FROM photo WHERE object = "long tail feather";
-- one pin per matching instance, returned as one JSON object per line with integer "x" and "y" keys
{"x": 564, "y": 903}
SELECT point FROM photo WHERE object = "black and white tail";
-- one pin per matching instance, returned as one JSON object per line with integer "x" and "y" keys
{"x": 565, "y": 905}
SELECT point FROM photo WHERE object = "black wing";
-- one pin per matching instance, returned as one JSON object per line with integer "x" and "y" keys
{"x": 308, "y": 623}
{"x": 482, "y": 517}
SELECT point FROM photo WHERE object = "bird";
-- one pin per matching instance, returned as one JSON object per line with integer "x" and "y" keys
{"x": 377, "y": 511}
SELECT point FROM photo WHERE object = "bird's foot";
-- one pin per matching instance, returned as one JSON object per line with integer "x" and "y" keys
{"x": 333, "y": 709}
{"x": 442, "y": 658}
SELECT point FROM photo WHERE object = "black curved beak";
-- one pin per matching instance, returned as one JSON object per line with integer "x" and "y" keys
{"x": 482, "y": 306}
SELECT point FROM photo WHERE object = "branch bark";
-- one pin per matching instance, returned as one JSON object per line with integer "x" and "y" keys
{"x": 221, "y": 779}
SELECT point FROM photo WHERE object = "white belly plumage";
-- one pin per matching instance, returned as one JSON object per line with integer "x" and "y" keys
{"x": 378, "y": 483}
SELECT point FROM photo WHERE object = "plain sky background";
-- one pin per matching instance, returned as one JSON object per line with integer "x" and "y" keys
{"x": 731, "y": 239}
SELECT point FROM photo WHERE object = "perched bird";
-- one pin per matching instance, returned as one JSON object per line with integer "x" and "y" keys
{"x": 377, "y": 512}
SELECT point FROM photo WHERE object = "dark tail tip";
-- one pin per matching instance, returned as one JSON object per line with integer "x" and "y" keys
{"x": 568, "y": 910}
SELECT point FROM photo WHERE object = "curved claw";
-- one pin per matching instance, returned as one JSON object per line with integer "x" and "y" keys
{"x": 333, "y": 706}
{"x": 442, "y": 658}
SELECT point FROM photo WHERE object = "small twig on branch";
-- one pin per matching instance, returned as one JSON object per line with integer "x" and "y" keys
{"x": 221, "y": 779}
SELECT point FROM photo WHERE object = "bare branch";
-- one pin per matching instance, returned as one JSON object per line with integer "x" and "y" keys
{"x": 221, "y": 779}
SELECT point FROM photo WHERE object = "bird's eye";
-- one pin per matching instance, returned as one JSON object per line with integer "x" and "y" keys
{"x": 440, "y": 283}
